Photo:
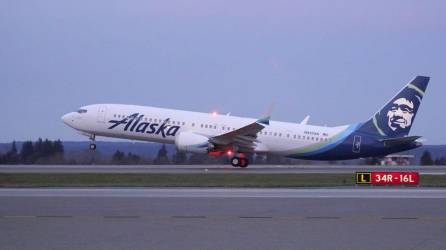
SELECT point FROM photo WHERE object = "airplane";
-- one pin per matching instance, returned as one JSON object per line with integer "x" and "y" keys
{"x": 386, "y": 132}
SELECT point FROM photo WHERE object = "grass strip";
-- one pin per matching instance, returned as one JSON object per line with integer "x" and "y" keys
{"x": 189, "y": 180}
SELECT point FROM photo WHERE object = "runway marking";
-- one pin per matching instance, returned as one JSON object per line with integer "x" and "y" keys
{"x": 296, "y": 193}
{"x": 18, "y": 216}
{"x": 86, "y": 216}
{"x": 255, "y": 217}
{"x": 323, "y": 217}
{"x": 121, "y": 217}
{"x": 54, "y": 216}
{"x": 188, "y": 217}
{"x": 224, "y": 217}
{"x": 399, "y": 218}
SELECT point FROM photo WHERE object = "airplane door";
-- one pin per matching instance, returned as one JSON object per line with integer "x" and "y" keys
{"x": 102, "y": 111}
{"x": 357, "y": 144}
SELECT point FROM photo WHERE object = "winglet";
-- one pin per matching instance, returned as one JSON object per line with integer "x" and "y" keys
{"x": 265, "y": 119}
{"x": 305, "y": 120}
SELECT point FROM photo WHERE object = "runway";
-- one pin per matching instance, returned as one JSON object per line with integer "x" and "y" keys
{"x": 201, "y": 218}
{"x": 252, "y": 169}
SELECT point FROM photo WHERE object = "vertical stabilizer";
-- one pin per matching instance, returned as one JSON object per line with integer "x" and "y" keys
{"x": 396, "y": 117}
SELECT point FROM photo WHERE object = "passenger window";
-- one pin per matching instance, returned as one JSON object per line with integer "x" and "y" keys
{"x": 184, "y": 123}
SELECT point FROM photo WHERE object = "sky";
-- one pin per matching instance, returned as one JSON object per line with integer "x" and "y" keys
{"x": 337, "y": 61}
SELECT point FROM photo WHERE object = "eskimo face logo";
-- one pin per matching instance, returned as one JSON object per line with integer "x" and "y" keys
{"x": 133, "y": 124}
{"x": 400, "y": 114}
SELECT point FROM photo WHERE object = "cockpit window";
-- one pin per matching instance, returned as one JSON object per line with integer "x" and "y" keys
{"x": 82, "y": 111}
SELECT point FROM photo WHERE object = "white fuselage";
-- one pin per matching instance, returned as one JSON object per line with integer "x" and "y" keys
{"x": 278, "y": 137}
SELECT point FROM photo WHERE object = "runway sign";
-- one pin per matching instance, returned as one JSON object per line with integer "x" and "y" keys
{"x": 363, "y": 178}
{"x": 388, "y": 178}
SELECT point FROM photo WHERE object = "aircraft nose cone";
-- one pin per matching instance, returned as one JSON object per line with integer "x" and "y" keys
{"x": 67, "y": 118}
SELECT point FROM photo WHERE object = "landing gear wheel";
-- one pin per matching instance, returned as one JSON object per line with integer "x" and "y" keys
{"x": 239, "y": 162}
{"x": 243, "y": 163}
{"x": 92, "y": 144}
{"x": 235, "y": 161}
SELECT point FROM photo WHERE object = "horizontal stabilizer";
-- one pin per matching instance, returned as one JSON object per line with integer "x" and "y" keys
{"x": 400, "y": 140}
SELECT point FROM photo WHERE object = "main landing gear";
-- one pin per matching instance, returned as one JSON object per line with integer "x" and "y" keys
{"x": 239, "y": 162}
{"x": 92, "y": 144}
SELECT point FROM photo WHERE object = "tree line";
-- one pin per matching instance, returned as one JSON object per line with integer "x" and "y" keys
{"x": 427, "y": 160}
{"x": 38, "y": 152}
{"x": 52, "y": 152}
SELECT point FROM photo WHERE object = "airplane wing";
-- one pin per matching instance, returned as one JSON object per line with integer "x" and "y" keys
{"x": 243, "y": 138}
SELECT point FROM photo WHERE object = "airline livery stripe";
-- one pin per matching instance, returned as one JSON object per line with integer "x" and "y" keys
{"x": 326, "y": 147}
{"x": 377, "y": 127}
{"x": 411, "y": 86}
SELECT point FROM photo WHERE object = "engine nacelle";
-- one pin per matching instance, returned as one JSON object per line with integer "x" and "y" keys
{"x": 193, "y": 143}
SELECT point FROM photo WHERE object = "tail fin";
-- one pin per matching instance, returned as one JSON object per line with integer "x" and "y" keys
{"x": 396, "y": 117}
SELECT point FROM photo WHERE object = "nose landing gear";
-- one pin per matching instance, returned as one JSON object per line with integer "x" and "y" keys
{"x": 92, "y": 144}
{"x": 92, "y": 147}
{"x": 239, "y": 162}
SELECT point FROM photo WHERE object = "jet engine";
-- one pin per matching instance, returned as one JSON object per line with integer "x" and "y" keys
{"x": 193, "y": 143}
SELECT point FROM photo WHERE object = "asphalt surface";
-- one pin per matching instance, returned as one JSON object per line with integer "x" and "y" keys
{"x": 257, "y": 169}
{"x": 194, "y": 218}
